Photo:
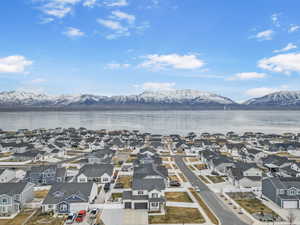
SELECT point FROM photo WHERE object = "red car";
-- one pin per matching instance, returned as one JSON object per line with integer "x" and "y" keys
{"x": 80, "y": 216}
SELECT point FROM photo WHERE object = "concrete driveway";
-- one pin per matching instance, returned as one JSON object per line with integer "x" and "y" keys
{"x": 124, "y": 217}
{"x": 135, "y": 217}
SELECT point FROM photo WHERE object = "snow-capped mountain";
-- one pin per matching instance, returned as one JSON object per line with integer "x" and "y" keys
{"x": 282, "y": 98}
{"x": 173, "y": 97}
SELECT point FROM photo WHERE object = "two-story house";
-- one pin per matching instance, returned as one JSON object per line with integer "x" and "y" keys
{"x": 13, "y": 196}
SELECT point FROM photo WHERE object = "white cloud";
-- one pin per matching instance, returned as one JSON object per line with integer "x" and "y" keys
{"x": 46, "y": 20}
{"x": 57, "y": 8}
{"x": 264, "y": 35}
{"x": 73, "y": 32}
{"x": 123, "y": 16}
{"x": 247, "y": 76}
{"x": 116, "y": 3}
{"x": 89, "y": 3}
{"x": 294, "y": 28}
{"x": 14, "y": 64}
{"x": 114, "y": 66}
{"x": 154, "y": 86}
{"x": 282, "y": 63}
{"x": 289, "y": 47}
{"x": 174, "y": 61}
{"x": 275, "y": 19}
{"x": 113, "y": 25}
{"x": 259, "y": 92}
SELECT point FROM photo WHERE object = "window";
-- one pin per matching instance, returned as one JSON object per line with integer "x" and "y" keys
{"x": 154, "y": 195}
{"x": 4, "y": 201}
{"x": 292, "y": 192}
{"x": 154, "y": 204}
{"x": 63, "y": 207}
{"x": 140, "y": 192}
{"x": 281, "y": 191}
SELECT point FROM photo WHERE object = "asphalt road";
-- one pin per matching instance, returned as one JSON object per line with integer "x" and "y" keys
{"x": 225, "y": 216}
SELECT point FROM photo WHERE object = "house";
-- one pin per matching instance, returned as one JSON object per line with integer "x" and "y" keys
{"x": 13, "y": 196}
{"x": 285, "y": 192}
{"x": 101, "y": 156}
{"x": 64, "y": 198}
{"x": 45, "y": 175}
{"x": 32, "y": 155}
{"x": 246, "y": 175}
{"x": 99, "y": 173}
{"x": 220, "y": 164}
{"x": 148, "y": 187}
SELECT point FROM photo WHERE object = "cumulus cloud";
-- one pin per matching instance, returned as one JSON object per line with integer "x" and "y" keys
{"x": 116, "y": 26}
{"x": 174, "y": 61}
{"x": 89, "y": 3}
{"x": 123, "y": 16}
{"x": 247, "y": 76}
{"x": 56, "y": 8}
{"x": 73, "y": 32}
{"x": 282, "y": 63}
{"x": 116, "y": 3}
{"x": 14, "y": 64}
{"x": 294, "y": 28}
{"x": 114, "y": 66}
{"x": 265, "y": 35}
{"x": 155, "y": 86}
{"x": 289, "y": 47}
{"x": 275, "y": 19}
{"x": 259, "y": 92}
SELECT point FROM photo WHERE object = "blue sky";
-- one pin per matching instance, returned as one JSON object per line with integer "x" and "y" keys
{"x": 239, "y": 49}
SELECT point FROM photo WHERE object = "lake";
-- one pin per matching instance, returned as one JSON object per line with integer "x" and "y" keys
{"x": 162, "y": 122}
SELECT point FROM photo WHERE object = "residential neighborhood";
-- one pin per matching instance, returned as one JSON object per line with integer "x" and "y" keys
{"x": 75, "y": 175}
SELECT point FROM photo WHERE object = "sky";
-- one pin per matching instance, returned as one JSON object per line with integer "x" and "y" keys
{"x": 238, "y": 49}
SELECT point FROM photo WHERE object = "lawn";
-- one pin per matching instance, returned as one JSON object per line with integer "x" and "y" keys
{"x": 168, "y": 166}
{"x": 215, "y": 179}
{"x": 203, "y": 205}
{"x": 175, "y": 166}
{"x": 182, "y": 177}
{"x": 178, "y": 215}
{"x": 115, "y": 196}
{"x": 41, "y": 194}
{"x": 125, "y": 180}
{"x": 19, "y": 219}
{"x": 254, "y": 205}
{"x": 174, "y": 177}
{"x": 5, "y": 154}
{"x": 200, "y": 166}
{"x": 191, "y": 167}
{"x": 131, "y": 159}
{"x": 204, "y": 179}
{"x": 193, "y": 159}
{"x": 167, "y": 159}
{"x": 45, "y": 219}
{"x": 178, "y": 197}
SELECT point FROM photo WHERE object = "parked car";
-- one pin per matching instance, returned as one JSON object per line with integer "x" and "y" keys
{"x": 71, "y": 217}
{"x": 80, "y": 216}
{"x": 93, "y": 213}
{"x": 106, "y": 187}
{"x": 174, "y": 183}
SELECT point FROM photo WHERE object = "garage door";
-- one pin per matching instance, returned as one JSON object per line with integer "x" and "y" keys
{"x": 127, "y": 205}
{"x": 76, "y": 207}
{"x": 141, "y": 205}
{"x": 290, "y": 204}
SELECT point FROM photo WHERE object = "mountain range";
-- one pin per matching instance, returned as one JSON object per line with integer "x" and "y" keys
{"x": 173, "y": 99}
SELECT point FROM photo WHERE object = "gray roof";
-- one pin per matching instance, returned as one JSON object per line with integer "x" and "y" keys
{"x": 12, "y": 188}
{"x": 96, "y": 170}
{"x": 63, "y": 191}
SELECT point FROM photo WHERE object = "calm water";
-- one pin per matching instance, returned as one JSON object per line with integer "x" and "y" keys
{"x": 163, "y": 122}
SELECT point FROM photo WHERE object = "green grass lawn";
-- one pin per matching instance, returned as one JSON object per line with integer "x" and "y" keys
{"x": 178, "y": 197}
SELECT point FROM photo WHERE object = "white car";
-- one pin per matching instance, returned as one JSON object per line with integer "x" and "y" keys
{"x": 71, "y": 217}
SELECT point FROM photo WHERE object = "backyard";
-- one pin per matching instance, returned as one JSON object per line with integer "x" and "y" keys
{"x": 125, "y": 180}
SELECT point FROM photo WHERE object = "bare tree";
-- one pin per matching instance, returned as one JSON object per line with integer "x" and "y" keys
{"x": 291, "y": 218}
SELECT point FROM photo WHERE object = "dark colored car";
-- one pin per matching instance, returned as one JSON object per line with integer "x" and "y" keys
{"x": 174, "y": 183}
